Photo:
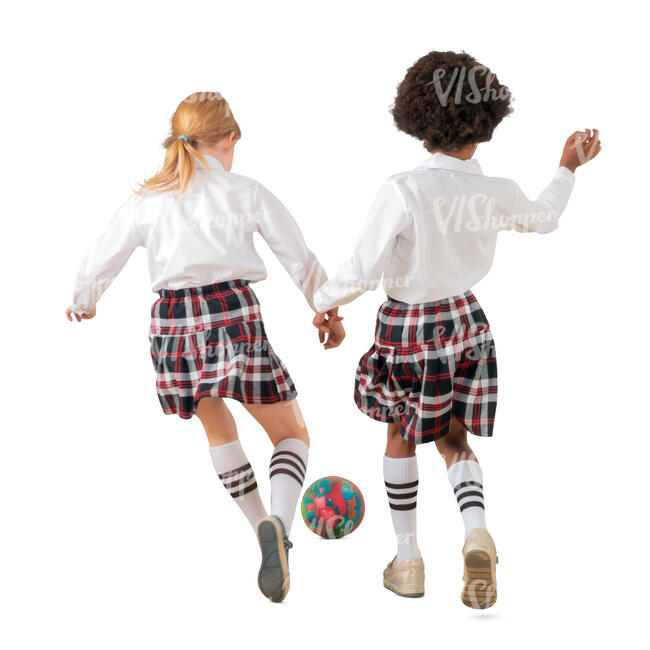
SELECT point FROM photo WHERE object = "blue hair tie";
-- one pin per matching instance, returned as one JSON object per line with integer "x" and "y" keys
{"x": 182, "y": 137}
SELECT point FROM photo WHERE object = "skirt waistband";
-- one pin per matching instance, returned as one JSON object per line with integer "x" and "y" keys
{"x": 443, "y": 303}
{"x": 206, "y": 289}
{"x": 435, "y": 324}
{"x": 196, "y": 309}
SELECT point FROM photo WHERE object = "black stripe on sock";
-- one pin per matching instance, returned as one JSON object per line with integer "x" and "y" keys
{"x": 290, "y": 453}
{"x": 403, "y": 506}
{"x": 471, "y": 493}
{"x": 472, "y": 504}
{"x": 407, "y": 495}
{"x": 242, "y": 479}
{"x": 233, "y": 472}
{"x": 282, "y": 470}
{"x": 466, "y": 484}
{"x": 285, "y": 461}
{"x": 400, "y": 486}
{"x": 246, "y": 490}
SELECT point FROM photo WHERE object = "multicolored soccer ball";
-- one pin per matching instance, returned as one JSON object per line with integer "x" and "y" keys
{"x": 332, "y": 507}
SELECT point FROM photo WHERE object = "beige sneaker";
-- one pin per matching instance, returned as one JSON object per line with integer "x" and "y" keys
{"x": 405, "y": 578}
{"x": 480, "y": 559}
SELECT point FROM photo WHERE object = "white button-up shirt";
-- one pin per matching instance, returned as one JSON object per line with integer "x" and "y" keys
{"x": 432, "y": 231}
{"x": 202, "y": 236}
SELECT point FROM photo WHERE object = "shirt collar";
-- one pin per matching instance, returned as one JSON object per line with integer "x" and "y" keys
{"x": 213, "y": 163}
{"x": 443, "y": 161}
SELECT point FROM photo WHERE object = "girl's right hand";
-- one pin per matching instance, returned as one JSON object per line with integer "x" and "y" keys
{"x": 336, "y": 333}
{"x": 580, "y": 148}
{"x": 69, "y": 313}
{"x": 329, "y": 323}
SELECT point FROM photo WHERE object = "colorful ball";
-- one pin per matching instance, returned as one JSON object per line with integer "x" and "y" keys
{"x": 332, "y": 507}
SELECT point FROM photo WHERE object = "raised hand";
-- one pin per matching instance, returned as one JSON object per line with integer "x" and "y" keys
{"x": 580, "y": 147}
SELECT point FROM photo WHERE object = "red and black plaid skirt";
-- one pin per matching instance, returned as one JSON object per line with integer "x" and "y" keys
{"x": 211, "y": 341}
{"x": 430, "y": 361}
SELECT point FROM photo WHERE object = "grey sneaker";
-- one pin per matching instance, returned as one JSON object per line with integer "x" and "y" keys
{"x": 273, "y": 577}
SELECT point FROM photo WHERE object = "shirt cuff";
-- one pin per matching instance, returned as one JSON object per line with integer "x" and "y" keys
{"x": 320, "y": 304}
{"x": 80, "y": 309}
{"x": 566, "y": 174}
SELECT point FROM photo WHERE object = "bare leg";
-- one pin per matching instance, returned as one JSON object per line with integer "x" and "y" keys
{"x": 453, "y": 447}
{"x": 396, "y": 446}
{"x": 217, "y": 421}
{"x": 280, "y": 420}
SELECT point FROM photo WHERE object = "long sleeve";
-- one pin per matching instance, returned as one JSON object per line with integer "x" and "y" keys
{"x": 105, "y": 258}
{"x": 542, "y": 215}
{"x": 363, "y": 271}
{"x": 283, "y": 236}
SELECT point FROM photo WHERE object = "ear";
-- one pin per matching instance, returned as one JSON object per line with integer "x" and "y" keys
{"x": 228, "y": 142}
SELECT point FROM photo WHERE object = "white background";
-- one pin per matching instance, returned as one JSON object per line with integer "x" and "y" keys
{"x": 115, "y": 532}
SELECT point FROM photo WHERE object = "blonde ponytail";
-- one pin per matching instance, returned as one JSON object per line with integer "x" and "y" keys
{"x": 200, "y": 117}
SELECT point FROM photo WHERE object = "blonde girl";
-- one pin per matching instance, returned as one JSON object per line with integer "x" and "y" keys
{"x": 197, "y": 220}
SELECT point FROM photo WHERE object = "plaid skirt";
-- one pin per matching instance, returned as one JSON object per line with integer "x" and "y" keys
{"x": 430, "y": 361}
{"x": 211, "y": 341}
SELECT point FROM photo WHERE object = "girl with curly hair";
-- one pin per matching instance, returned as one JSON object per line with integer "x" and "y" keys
{"x": 431, "y": 373}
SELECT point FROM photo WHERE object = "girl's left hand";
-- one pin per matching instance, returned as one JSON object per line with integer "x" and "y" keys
{"x": 69, "y": 313}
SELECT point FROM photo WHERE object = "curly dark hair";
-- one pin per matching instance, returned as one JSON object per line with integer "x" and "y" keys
{"x": 449, "y": 100}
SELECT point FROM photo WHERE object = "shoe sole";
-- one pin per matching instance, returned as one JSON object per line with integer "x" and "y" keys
{"x": 480, "y": 590}
{"x": 400, "y": 590}
{"x": 273, "y": 577}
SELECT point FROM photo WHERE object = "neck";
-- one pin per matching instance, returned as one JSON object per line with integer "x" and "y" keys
{"x": 462, "y": 154}
{"x": 216, "y": 152}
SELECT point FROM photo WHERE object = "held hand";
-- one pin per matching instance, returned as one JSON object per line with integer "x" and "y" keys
{"x": 329, "y": 323}
{"x": 69, "y": 313}
{"x": 336, "y": 333}
{"x": 580, "y": 148}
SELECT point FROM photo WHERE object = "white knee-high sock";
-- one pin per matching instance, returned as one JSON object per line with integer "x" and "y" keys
{"x": 401, "y": 479}
{"x": 238, "y": 478}
{"x": 287, "y": 471}
{"x": 466, "y": 479}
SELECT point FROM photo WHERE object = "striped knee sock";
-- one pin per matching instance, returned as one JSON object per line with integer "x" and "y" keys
{"x": 238, "y": 478}
{"x": 287, "y": 471}
{"x": 466, "y": 479}
{"x": 401, "y": 480}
